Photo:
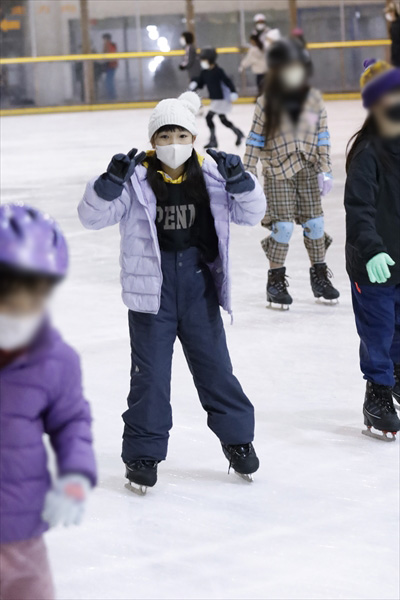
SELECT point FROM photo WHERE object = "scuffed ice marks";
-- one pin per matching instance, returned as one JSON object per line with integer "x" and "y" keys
{"x": 302, "y": 529}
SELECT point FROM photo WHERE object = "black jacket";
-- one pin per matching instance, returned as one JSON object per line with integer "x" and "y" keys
{"x": 372, "y": 203}
{"x": 191, "y": 62}
{"x": 395, "y": 35}
{"x": 215, "y": 79}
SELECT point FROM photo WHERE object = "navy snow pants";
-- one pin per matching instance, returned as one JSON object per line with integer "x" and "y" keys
{"x": 377, "y": 312}
{"x": 190, "y": 311}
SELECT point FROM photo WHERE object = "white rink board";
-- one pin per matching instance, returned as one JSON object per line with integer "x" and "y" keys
{"x": 320, "y": 520}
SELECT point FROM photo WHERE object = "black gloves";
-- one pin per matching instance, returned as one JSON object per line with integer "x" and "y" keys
{"x": 232, "y": 170}
{"x": 110, "y": 185}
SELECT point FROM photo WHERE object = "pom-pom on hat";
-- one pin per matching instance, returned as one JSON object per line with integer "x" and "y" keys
{"x": 379, "y": 78}
{"x": 180, "y": 111}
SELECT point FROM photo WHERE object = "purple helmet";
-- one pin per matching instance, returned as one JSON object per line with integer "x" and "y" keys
{"x": 31, "y": 241}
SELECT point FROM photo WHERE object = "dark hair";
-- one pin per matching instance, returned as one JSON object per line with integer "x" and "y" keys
{"x": 189, "y": 37}
{"x": 369, "y": 134}
{"x": 392, "y": 8}
{"x": 299, "y": 38}
{"x": 274, "y": 95}
{"x": 257, "y": 40}
{"x": 13, "y": 279}
{"x": 107, "y": 36}
{"x": 193, "y": 185}
{"x": 209, "y": 54}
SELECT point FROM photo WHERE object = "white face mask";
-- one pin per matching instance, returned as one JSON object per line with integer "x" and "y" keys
{"x": 293, "y": 77}
{"x": 389, "y": 17}
{"x": 18, "y": 332}
{"x": 261, "y": 26}
{"x": 174, "y": 155}
{"x": 204, "y": 64}
{"x": 182, "y": 41}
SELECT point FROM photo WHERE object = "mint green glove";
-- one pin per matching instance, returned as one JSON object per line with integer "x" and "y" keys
{"x": 377, "y": 268}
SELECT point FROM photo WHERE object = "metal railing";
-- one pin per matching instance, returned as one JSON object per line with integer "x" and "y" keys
{"x": 124, "y": 55}
{"x": 75, "y": 58}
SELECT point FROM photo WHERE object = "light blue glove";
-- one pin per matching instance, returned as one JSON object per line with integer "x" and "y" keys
{"x": 325, "y": 183}
{"x": 377, "y": 268}
{"x": 234, "y": 96}
{"x": 65, "y": 503}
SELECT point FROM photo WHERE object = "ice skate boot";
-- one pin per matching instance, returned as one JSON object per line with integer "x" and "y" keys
{"x": 396, "y": 388}
{"x": 380, "y": 413}
{"x": 213, "y": 143}
{"x": 239, "y": 136}
{"x": 242, "y": 459}
{"x": 141, "y": 473}
{"x": 321, "y": 286}
{"x": 277, "y": 286}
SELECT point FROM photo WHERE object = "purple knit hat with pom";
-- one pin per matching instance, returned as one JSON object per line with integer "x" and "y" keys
{"x": 379, "y": 78}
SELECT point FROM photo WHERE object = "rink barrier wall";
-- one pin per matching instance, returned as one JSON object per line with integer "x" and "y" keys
{"x": 45, "y": 110}
{"x": 34, "y": 110}
{"x": 122, "y": 55}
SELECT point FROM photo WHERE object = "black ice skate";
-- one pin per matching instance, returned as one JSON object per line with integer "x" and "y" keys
{"x": 239, "y": 136}
{"x": 141, "y": 474}
{"x": 213, "y": 143}
{"x": 242, "y": 459}
{"x": 380, "y": 413}
{"x": 321, "y": 286}
{"x": 277, "y": 286}
{"x": 396, "y": 389}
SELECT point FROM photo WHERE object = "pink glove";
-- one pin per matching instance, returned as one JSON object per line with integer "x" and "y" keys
{"x": 325, "y": 183}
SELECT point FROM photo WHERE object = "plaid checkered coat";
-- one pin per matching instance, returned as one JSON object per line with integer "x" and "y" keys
{"x": 285, "y": 155}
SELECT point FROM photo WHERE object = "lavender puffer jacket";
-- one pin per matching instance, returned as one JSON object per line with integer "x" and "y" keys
{"x": 40, "y": 392}
{"x": 140, "y": 257}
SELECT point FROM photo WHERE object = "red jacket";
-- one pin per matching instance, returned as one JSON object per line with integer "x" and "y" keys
{"x": 110, "y": 48}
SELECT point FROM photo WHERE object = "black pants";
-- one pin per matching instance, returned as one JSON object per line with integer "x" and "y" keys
{"x": 260, "y": 83}
{"x": 210, "y": 121}
{"x": 190, "y": 311}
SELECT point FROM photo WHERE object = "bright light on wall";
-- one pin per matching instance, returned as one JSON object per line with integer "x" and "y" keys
{"x": 163, "y": 44}
{"x": 153, "y": 64}
{"x": 152, "y": 32}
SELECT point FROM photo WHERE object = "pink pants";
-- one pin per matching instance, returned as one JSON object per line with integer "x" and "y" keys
{"x": 25, "y": 571}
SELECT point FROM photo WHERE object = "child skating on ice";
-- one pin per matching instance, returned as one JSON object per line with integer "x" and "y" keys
{"x": 222, "y": 93}
{"x": 174, "y": 210}
{"x": 41, "y": 393}
{"x": 255, "y": 59}
{"x": 191, "y": 62}
{"x": 290, "y": 136}
{"x": 372, "y": 202}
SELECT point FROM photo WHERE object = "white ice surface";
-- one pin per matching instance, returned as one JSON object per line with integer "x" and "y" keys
{"x": 320, "y": 520}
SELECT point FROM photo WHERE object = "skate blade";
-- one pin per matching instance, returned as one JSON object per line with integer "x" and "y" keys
{"x": 327, "y": 302}
{"x": 276, "y": 306}
{"x": 384, "y": 436}
{"x": 248, "y": 478}
{"x": 139, "y": 490}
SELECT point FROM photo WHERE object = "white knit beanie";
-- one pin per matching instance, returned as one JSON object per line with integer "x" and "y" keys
{"x": 176, "y": 111}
